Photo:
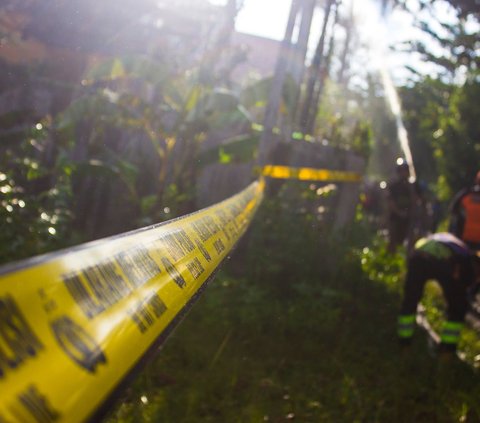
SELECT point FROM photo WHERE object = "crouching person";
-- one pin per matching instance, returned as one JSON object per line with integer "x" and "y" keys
{"x": 450, "y": 262}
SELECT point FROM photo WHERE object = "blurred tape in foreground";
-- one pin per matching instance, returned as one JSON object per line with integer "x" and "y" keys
{"x": 74, "y": 324}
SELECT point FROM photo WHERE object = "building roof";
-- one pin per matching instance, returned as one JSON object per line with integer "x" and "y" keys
{"x": 262, "y": 54}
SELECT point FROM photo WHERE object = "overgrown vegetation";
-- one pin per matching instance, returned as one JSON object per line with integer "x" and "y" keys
{"x": 309, "y": 335}
{"x": 108, "y": 132}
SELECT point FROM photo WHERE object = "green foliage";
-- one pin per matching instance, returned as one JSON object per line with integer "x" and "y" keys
{"x": 35, "y": 216}
{"x": 362, "y": 139}
{"x": 128, "y": 68}
{"x": 174, "y": 200}
{"x": 309, "y": 335}
{"x": 454, "y": 43}
{"x": 294, "y": 207}
{"x": 424, "y": 105}
{"x": 389, "y": 270}
{"x": 138, "y": 128}
{"x": 239, "y": 149}
{"x": 120, "y": 154}
{"x": 458, "y": 145}
{"x": 380, "y": 265}
{"x": 343, "y": 120}
{"x": 441, "y": 113}
{"x": 301, "y": 323}
{"x": 444, "y": 131}
{"x": 219, "y": 108}
{"x": 254, "y": 98}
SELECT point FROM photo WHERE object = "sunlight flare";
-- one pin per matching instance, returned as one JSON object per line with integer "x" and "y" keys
{"x": 394, "y": 103}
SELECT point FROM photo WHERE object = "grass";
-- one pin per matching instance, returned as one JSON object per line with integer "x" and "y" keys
{"x": 326, "y": 352}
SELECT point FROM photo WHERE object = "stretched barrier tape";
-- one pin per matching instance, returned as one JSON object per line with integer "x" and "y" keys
{"x": 309, "y": 174}
{"x": 74, "y": 324}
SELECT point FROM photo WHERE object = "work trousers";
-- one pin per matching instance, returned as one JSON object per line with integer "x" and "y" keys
{"x": 423, "y": 267}
{"x": 454, "y": 276}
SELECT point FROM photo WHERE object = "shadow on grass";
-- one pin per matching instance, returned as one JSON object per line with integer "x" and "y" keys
{"x": 326, "y": 352}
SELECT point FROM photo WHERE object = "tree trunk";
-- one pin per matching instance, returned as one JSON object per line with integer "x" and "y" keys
{"x": 298, "y": 62}
{"x": 307, "y": 8}
{"x": 275, "y": 95}
{"x": 231, "y": 11}
{"x": 315, "y": 68}
{"x": 342, "y": 79}
{"x": 324, "y": 72}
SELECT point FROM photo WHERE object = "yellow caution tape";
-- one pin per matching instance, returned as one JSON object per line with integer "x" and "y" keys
{"x": 73, "y": 324}
{"x": 309, "y": 174}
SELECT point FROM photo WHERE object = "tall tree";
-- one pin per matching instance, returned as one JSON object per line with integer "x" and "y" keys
{"x": 457, "y": 49}
{"x": 323, "y": 74}
{"x": 275, "y": 95}
{"x": 457, "y": 145}
{"x": 314, "y": 71}
{"x": 424, "y": 104}
{"x": 299, "y": 51}
{"x": 348, "y": 24}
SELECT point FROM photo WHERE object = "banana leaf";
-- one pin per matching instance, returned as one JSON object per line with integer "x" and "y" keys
{"x": 239, "y": 149}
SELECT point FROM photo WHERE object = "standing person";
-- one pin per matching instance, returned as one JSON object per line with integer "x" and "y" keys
{"x": 400, "y": 202}
{"x": 465, "y": 214}
{"x": 448, "y": 260}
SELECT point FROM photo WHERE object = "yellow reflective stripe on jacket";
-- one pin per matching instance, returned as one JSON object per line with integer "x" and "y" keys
{"x": 406, "y": 319}
{"x": 451, "y": 332}
{"x": 406, "y": 325}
